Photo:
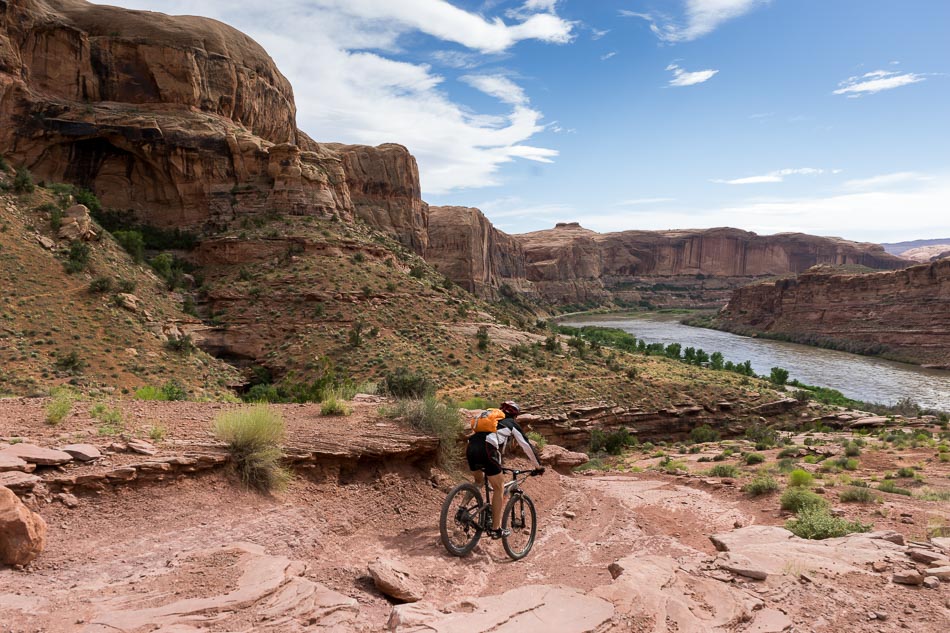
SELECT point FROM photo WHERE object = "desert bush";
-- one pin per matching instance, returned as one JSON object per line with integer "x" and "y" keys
{"x": 857, "y": 494}
{"x": 618, "y": 440}
{"x": 112, "y": 420}
{"x": 23, "y": 181}
{"x": 704, "y": 433}
{"x": 791, "y": 451}
{"x": 763, "y": 436}
{"x": 786, "y": 465}
{"x": 906, "y": 472}
{"x": 406, "y": 383}
{"x": 778, "y": 376}
{"x": 133, "y": 243}
{"x": 70, "y": 363}
{"x": 754, "y": 458}
{"x": 333, "y": 404}
{"x": 852, "y": 449}
{"x": 253, "y": 436}
{"x": 475, "y": 402}
{"x": 78, "y": 257}
{"x": 156, "y": 433}
{"x": 799, "y": 478}
{"x": 794, "y": 499}
{"x": 60, "y": 405}
{"x": 761, "y": 485}
{"x": 723, "y": 470}
{"x": 432, "y": 417}
{"x": 539, "y": 440}
{"x": 181, "y": 344}
{"x": 934, "y": 495}
{"x": 891, "y": 487}
{"x": 817, "y": 523}
{"x": 100, "y": 285}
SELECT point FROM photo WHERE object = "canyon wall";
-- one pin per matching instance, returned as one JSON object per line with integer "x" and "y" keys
{"x": 573, "y": 265}
{"x": 184, "y": 120}
{"x": 904, "y": 314}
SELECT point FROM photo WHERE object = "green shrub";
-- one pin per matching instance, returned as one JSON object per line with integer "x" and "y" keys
{"x": 432, "y": 417}
{"x": 852, "y": 449}
{"x": 724, "y": 470}
{"x": 148, "y": 392}
{"x": 934, "y": 495}
{"x": 791, "y": 451}
{"x": 891, "y": 487}
{"x": 761, "y": 485}
{"x": 333, "y": 405}
{"x": 799, "y": 478}
{"x": 618, "y": 440}
{"x": 100, "y": 285}
{"x": 156, "y": 433}
{"x": 704, "y": 433}
{"x": 126, "y": 285}
{"x": 112, "y": 420}
{"x": 539, "y": 440}
{"x": 475, "y": 402}
{"x": 181, "y": 344}
{"x": 78, "y": 257}
{"x": 778, "y": 376}
{"x": 906, "y": 473}
{"x": 70, "y": 363}
{"x": 174, "y": 390}
{"x": 23, "y": 181}
{"x": 60, "y": 405}
{"x": 86, "y": 197}
{"x": 762, "y": 435}
{"x": 405, "y": 383}
{"x": 794, "y": 499}
{"x": 816, "y": 523}
{"x": 133, "y": 243}
{"x": 857, "y": 494}
{"x": 253, "y": 436}
{"x": 786, "y": 465}
{"x": 754, "y": 458}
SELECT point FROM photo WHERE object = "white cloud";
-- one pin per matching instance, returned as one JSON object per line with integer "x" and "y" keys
{"x": 596, "y": 34}
{"x": 774, "y": 176}
{"x": 497, "y": 86}
{"x": 888, "y": 180}
{"x": 607, "y": 56}
{"x": 683, "y": 77}
{"x": 347, "y": 89}
{"x": 875, "y": 216}
{"x": 876, "y": 81}
{"x": 456, "y": 59}
{"x": 700, "y": 17}
{"x": 639, "y": 201}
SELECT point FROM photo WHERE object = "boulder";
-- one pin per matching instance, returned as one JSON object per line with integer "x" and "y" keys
{"x": 739, "y": 564}
{"x": 927, "y": 557}
{"x": 910, "y": 577}
{"x": 942, "y": 542}
{"x": 77, "y": 224}
{"x": 22, "y": 531}
{"x": 943, "y": 573}
{"x": 37, "y": 454}
{"x": 560, "y": 458}
{"x": 395, "y": 581}
{"x": 82, "y": 452}
{"x": 141, "y": 447}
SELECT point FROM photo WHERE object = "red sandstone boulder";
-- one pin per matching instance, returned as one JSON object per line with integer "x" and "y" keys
{"x": 560, "y": 458}
{"x": 22, "y": 531}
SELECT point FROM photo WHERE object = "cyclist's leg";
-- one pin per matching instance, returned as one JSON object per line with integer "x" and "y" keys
{"x": 497, "y": 499}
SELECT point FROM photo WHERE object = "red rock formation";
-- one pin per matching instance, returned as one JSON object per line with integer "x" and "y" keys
{"x": 904, "y": 313}
{"x": 466, "y": 248}
{"x": 184, "y": 120}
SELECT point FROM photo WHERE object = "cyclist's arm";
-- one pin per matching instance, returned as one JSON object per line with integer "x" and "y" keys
{"x": 515, "y": 431}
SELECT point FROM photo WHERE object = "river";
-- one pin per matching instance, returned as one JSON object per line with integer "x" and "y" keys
{"x": 860, "y": 377}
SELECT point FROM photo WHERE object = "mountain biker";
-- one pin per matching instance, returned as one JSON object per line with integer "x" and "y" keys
{"x": 484, "y": 459}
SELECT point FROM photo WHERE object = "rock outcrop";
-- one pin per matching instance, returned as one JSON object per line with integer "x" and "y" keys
{"x": 184, "y": 120}
{"x": 466, "y": 248}
{"x": 904, "y": 314}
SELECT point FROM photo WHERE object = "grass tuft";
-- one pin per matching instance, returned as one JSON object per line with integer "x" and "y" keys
{"x": 763, "y": 484}
{"x": 795, "y": 499}
{"x": 253, "y": 436}
{"x": 432, "y": 417}
{"x": 723, "y": 470}
{"x": 60, "y": 406}
{"x": 857, "y": 494}
{"x": 817, "y": 523}
{"x": 799, "y": 478}
{"x": 333, "y": 404}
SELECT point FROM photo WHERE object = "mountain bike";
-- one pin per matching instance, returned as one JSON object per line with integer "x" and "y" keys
{"x": 466, "y": 515}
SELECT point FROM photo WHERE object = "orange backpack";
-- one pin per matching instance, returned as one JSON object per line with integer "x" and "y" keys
{"x": 487, "y": 421}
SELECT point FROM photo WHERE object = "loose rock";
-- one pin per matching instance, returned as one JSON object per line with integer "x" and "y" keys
{"x": 22, "y": 531}
{"x": 37, "y": 454}
{"x": 82, "y": 452}
{"x": 908, "y": 578}
{"x": 395, "y": 581}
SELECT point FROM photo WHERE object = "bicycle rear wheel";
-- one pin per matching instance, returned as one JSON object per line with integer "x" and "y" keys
{"x": 521, "y": 519}
{"x": 459, "y": 521}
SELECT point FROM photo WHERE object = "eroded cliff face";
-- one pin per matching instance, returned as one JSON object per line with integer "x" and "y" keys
{"x": 466, "y": 248}
{"x": 184, "y": 120}
{"x": 573, "y": 265}
{"x": 903, "y": 314}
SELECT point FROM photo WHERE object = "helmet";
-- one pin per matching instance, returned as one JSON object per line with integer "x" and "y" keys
{"x": 510, "y": 408}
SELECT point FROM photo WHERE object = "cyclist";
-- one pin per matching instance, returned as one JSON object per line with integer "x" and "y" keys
{"x": 484, "y": 458}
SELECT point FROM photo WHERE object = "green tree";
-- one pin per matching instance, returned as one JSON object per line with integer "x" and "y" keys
{"x": 778, "y": 376}
{"x": 673, "y": 350}
{"x": 716, "y": 361}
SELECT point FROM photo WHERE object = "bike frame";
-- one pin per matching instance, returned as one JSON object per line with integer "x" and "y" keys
{"x": 511, "y": 488}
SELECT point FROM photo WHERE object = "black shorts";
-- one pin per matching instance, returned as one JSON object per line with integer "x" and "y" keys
{"x": 482, "y": 456}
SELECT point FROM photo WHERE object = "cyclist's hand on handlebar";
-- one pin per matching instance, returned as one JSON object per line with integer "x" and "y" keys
{"x": 537, "y": 471}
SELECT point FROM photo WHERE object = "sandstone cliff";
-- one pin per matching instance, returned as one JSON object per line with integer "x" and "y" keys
{"x": 571, "y": 264}
{"x": 184, "y": 120}
{"x": 904, "y": 314}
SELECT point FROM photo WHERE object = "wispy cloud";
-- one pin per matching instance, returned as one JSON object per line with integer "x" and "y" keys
{"x": 641, "y": 201}
{"x": 683, "y": 77}
{"x": 596, "y": 34}
{"x": 607, "y": 56}
{"x": 885, "y": 181}
{"x": 700, "y": 17}
{"x": 775, "y": 176}
{"x": 356, "y": 92}
{"x": 498, "y": 86}
{"x": 876, "y": 81}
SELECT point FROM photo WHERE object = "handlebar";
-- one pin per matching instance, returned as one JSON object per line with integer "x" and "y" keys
{"x": 533, "y": 472}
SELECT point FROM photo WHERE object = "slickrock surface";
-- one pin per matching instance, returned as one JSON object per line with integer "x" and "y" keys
{"x": 905, "y": 313}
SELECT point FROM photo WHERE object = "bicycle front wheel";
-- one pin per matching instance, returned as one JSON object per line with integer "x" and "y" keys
{"x": 459, "y": 521}
{"x": 521, "y": 519}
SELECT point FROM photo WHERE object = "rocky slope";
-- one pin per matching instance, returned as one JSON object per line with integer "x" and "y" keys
{"x": 904, "y": 314}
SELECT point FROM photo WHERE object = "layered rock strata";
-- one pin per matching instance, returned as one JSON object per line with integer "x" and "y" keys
{"x": 904, "y": 314}
{"x": 184, "y": 120}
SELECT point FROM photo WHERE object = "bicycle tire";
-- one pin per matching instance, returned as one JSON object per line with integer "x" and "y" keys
{"x": 519, "y": 517}
{"x": 461, "y": 536}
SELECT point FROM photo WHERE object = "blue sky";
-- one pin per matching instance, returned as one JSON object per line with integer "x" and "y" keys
{"x": 827, "y": 117}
